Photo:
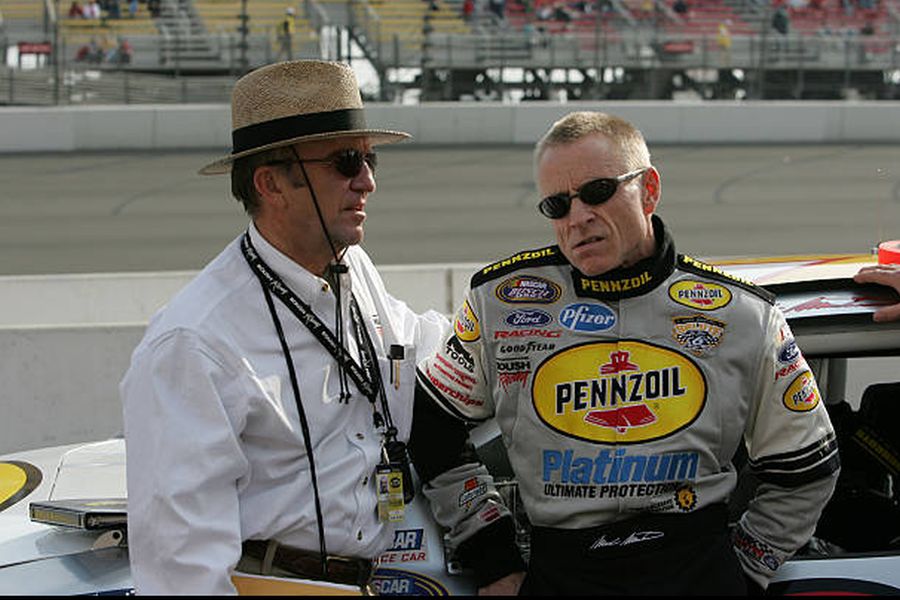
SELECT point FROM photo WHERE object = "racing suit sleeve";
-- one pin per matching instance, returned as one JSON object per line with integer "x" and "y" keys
{"x": 184, "y": 464}
{"x": 792, "y": 450}
{"x": 459, "y": 487}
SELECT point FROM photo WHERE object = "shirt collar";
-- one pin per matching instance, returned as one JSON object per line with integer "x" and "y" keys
{"x": 301, "y": 281}
{"x": 638, "y": 279}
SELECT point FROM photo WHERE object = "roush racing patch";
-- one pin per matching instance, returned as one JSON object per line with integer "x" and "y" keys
{"x": 697, "y": 333}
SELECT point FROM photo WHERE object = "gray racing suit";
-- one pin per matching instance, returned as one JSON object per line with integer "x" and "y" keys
{"x": 629, "y": 393}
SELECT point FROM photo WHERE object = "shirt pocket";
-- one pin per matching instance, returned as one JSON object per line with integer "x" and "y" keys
{"x": 399, "y": 378}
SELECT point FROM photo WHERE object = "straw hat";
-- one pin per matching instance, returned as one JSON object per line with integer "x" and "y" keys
{"x": 288, "y": 102}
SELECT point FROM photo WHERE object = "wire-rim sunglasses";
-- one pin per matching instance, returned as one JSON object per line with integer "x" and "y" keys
{"x": 593, "y": 192}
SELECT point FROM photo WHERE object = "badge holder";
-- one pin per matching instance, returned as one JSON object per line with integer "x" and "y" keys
{"x": 389, "y": 489}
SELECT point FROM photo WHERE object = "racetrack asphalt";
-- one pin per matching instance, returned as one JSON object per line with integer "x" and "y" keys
{"x": 92, "y": 212}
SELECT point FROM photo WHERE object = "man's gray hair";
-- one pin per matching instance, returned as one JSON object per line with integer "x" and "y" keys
{"x": 578, "y": 125}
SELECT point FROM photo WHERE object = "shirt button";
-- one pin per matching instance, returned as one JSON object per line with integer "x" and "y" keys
{"x": 365, "y": 481}
{"x": 360, "y": 436}
{"x": 324, "y": 287}
{"x": 359, "y": 535}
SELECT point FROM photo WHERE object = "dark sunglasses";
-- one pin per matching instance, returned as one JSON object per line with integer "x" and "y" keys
{"x": 594, "y": 192}
{"x": 348, "y": 162}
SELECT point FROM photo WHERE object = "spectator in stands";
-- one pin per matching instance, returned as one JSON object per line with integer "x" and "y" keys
{"x": 92, "y": 10}
{"x": 154, "y": 7}
{"x": 723, "y": 41}
{"x": 286, "y": 35}
{"x": 888, "y": 275}
{"x": 866, "y": 4}
{"x": 498, "y": 7}
{"x": 121, "y": 54}
{"x": 681, "y": 7}
{"x": 90, "y": 53}
{"x": 868, "y": 28}
{"x": 76, "y": 11}
{"x": 113, "y": 10}
{"x": 132, "y": 8}
{"x": 781, "y": 22}
{"x": 468, "y": 10}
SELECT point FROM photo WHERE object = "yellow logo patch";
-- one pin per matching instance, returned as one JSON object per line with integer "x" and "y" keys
{"x": 803, "y": 393}
{"x": 701, "y": 295}
{"x": 466, "y": 326}
{"x": 624, "y": 393}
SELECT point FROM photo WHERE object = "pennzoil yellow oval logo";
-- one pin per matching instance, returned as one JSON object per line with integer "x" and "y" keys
{"x": 17, "y": 480}
{"x": 624, "y": 393}
{"x": 701, "y": 295}
{"x": 466, "y": 326}
{"x": 803, "y": 393}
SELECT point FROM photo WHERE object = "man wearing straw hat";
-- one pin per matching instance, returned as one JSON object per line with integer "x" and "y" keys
{"x": 272, "y": 397}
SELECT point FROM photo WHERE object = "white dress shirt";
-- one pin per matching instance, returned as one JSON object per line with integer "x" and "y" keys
{"x": 214, "y": 446}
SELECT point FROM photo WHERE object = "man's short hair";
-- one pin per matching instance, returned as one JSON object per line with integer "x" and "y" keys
{"x": 578, "y": 125}
{"x": 242, "y": 187}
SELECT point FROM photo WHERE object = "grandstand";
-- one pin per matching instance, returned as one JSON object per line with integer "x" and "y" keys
{"x": 536, "y": 48}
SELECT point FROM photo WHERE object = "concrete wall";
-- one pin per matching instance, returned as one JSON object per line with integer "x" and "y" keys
{"x": 67, "y": 340}
{"x": 208, "y": 126}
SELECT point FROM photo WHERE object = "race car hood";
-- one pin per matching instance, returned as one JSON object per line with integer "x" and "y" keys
{"x": 76, "y": 471}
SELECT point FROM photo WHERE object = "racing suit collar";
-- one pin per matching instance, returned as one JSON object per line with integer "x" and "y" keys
{"x": 638, "y": 279}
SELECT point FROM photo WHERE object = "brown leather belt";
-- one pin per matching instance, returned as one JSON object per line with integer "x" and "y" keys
{"x": 309, "y": 565}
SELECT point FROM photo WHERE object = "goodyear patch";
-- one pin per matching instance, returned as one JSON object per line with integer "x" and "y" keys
{"x": 700, "y": 295}
{"x": 803, "y": 393}
{"x": 697, "y": 333}
{"x": 528, "y": 289}
{"x": 400, "y": 582}
{"x": 624, "y": 392}
{"x": 466, "y": 326}
{"x": 17, "y": 480}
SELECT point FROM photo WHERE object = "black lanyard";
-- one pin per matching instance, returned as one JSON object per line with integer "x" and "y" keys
{"x": 366, "y": 376}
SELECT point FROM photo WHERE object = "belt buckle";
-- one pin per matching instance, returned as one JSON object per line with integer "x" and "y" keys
{"x": 362, "y": 575}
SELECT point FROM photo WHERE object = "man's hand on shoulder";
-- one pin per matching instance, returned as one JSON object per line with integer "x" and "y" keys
{"x": 505, "y": 586}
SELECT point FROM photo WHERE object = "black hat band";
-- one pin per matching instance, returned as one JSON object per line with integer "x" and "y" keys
{"x": 288, "y": 128}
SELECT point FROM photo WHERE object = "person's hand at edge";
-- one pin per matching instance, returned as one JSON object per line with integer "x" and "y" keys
{"x": 888, "y": 275}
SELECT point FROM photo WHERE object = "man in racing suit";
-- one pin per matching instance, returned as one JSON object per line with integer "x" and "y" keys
{"x": 623, "y": 377}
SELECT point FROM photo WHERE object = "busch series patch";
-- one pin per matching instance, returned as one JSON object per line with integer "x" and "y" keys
{"x": 803, "y": 393}
{"x": 700, "y": 295}
{"x": 528, "y": 289}
{"x": 696, "y": 333}
{"x": 624, "y": 392}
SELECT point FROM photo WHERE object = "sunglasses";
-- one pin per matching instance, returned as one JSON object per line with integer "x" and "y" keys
{"x": 348, "y": 162}
{"x": 594, "y": 192}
